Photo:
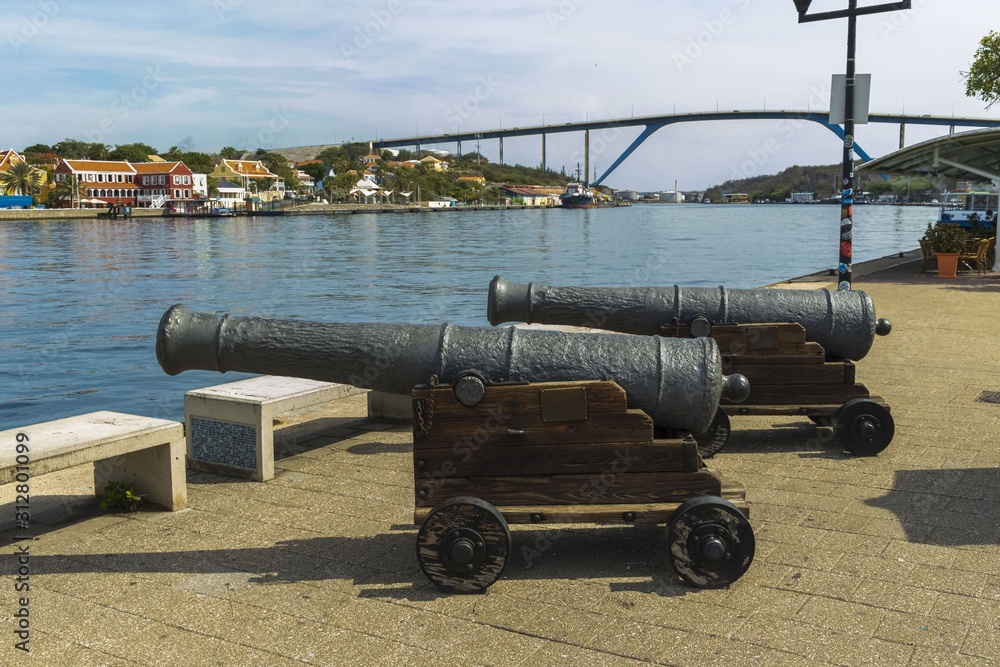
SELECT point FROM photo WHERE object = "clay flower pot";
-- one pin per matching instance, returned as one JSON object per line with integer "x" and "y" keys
{"x": 947, "y": 264}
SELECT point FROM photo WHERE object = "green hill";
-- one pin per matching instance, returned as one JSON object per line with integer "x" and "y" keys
{"x": 824, "y": 181}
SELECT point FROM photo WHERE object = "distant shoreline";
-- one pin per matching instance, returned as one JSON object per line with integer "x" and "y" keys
{"x": 308, "y": 209}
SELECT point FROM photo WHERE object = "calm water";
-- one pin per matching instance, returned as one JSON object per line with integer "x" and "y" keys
{"x": 80, "y": 300}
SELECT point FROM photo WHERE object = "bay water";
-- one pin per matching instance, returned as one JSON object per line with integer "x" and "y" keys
{"x": 80, "y": 300}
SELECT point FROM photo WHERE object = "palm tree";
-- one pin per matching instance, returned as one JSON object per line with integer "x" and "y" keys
{"x": 20, "y": 178}
{"x": 66, "y": 189}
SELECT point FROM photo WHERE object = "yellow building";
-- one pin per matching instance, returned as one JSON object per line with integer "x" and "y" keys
{"x": 9, "y": 158}
{"x": 253, "y": 176}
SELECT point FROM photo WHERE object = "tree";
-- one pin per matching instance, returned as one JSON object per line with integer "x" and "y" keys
{"x": 66, "y": 189}
{"x": 229, "y": 153}
{"x": 137, "y": 152}
{"x": 983, "y": 78}
{"x": 316, "y": 170}
{"x": 20, "y": 179}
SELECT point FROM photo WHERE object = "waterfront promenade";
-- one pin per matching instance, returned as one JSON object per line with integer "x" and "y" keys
{"x": 893, "y": 560}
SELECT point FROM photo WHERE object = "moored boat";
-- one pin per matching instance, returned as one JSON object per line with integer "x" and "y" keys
{"x": 578, "y": 195}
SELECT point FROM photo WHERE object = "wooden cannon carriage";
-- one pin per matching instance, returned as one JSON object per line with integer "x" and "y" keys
{"x": 485, "y": 456}
{"x": 790, "y": 376}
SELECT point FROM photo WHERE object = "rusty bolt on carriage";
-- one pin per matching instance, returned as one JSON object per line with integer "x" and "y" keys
{"x": 513, "y": 426}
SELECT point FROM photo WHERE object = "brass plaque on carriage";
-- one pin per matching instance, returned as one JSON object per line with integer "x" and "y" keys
{"x": 567, "y": 404}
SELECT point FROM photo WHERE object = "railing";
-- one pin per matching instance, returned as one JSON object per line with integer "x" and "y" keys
{"x": 158, "y": 202}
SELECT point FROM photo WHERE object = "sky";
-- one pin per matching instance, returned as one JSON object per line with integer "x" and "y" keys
{"x": 203, "y": 74}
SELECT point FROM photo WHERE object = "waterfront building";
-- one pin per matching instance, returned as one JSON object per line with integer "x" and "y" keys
{"x": 801, "y": 197}
{"x": 533, "y": 195}
{"x": 98, "y": 182}
{"x": 735, "y": 198}
{"x": 231, "y": 195}
{"x": 9, "y": 158}
{"x": 476, "y": 180}
{"x": 252, "y": 176}
{"x": 199, "y": 186}
{"x": 162, "y": 182}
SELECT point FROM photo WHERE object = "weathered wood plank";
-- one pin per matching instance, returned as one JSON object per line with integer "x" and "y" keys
{"x": 765, "y": 374}
{"x": 522, "y": 399}
{"x": 552, "y": 459}
{"x": 609, "y": 488}
{"x": 632, "y": 426}
{"x": 660, "y": 513}
{"x": 804, "y": 394}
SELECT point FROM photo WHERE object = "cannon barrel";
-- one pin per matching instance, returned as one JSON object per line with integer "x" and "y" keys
{"x": 843, "y": 323}
{"x": 678, "y": 382}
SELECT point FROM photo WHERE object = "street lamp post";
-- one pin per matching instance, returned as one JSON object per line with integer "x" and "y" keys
{"x": 847, "y": 193}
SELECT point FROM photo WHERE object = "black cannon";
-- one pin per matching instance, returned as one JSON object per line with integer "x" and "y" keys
{"x": 796, "y": 347}
{"x": 518, "y": 426}
{"x": 678, "y": 383}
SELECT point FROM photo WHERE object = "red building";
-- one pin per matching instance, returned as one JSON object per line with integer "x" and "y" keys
{"x": 162, "y": 182}
{"x": 98, "y": 183}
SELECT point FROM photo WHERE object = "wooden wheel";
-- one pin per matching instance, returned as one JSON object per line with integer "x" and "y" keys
{"x": 715, "y": 438}
{"x": 711, "y": 542}
{"x": 864, "y": 427}
{"x": 463, "y": 545}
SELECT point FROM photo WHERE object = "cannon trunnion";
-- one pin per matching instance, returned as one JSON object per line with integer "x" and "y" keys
{"x": 485, "y": 456}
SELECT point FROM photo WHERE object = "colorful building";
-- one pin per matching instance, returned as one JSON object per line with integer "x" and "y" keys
{"x": 162, "y": 182}
{"x": 98, "y": 182}
{"x": 252, "y": 176}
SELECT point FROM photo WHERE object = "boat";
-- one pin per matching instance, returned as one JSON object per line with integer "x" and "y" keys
{"x": 578, "y": 195}
{"x": 968, "y": 209}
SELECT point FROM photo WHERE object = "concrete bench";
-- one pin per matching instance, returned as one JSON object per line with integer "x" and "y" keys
{"x": 230, "y": 427}
{"x": 144, "y": 451}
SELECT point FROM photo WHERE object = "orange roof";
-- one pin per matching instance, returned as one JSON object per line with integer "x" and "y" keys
{"x": 100, "y": 165}
{"x": 251, "y": 168}
{"x": 8, "y": 158}
{"x": 154, "y": 167}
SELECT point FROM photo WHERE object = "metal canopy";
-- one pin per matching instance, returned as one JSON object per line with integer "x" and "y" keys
{"x": 964, "y": 155}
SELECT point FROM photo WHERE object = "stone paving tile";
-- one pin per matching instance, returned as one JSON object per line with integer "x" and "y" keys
{"x": 555, "y": 654}
{"x": 922, "y": 631}
{"x": 47, "y": 650}
{"x": 895, "y": 597}
{"x": 982, "y": 642}
{"x": 925, "y": 657}
{"x": 842, "y": 616}
{"x": 639, "y": 641}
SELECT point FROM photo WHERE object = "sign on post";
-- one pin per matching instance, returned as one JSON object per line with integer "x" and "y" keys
{"x": 862, "y": 93}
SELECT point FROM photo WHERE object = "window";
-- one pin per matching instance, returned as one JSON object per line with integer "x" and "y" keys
{"x": 187, "y": 194}
{"x": 145, "y": 180}
{"x": 187, "y": 180}
{"x": 100, "y": 178}
{"x": 177, "y": 194}
{"x": 162, "y": 180}
{"x": 177, "y": 179}
{"x": 90, "y": 178}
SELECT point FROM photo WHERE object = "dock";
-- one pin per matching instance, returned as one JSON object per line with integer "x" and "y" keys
{"x": 888, "y": 560}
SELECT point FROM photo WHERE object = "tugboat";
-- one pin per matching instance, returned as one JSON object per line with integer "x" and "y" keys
{"x": 578, "y": 195}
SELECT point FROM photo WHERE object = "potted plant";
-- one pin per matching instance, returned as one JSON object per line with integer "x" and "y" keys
{"x": 947, "y": 241}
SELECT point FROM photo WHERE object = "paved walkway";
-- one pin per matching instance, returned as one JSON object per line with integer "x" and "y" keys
{"x": 893, "y": 560}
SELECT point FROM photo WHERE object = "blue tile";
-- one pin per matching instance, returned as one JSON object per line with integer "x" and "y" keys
{"x": 222, "y": 442}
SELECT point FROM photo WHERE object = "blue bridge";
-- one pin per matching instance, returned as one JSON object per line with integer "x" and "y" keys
{"x": 650, "y": 124}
